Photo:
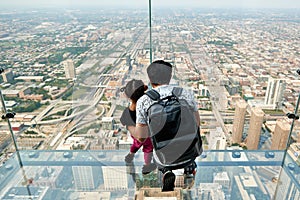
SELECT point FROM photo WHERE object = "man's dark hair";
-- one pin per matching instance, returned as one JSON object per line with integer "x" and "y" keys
{"x": 159, "y": 72}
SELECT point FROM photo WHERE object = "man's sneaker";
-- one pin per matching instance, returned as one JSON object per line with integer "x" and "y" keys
{"x": 168, "y": 181}
{"x": 190, "y": 170}
{"x": 129, "y": 157}
{"x": 191, "y": 174}
{"x": 148, "y": 168}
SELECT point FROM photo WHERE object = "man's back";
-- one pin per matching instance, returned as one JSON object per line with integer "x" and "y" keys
{"x": 172, "y": 124}
{"x": 145, "y": 101}
{"x": 160, "y": 73}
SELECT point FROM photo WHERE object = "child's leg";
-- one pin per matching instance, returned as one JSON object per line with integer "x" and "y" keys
{"x": 148, "y": 154}
{"x": 133, "y": 149}
{"x": 136, "y": 145}
{"x": 148, "y": 151}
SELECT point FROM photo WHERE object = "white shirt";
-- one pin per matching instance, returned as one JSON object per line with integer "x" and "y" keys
{"x": 164, "y": 90}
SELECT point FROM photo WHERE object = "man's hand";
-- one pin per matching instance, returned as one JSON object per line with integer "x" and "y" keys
{"x": 141, "y": 132}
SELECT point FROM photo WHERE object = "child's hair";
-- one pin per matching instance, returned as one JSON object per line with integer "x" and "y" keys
{"x": 134, "y": 89}
{"x": 138, "y": 93}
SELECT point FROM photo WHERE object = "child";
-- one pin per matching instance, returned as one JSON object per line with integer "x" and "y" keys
{"x": 134, "y": 89}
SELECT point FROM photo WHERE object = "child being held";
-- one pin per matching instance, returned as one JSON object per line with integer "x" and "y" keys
{"x": 134, "y": 89}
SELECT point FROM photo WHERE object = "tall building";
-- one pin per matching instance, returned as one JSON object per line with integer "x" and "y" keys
{"x": 280, "y": 135}
{"x": 21, "y": 192}
{"x": 239, "y": 121}
{"x": 69, "y": 68}
{"x": 8, "y": 76}
{"x": 245, "y": 187}
{"x": 288, "y": 188}
{"x": 203, "y": 90}
{"x": 115, "y": 177}
{"x": 211, "y": 191}
{"x": 217, "y": 139}
{"x": 108, "y": 123}
{"x": 86, "y": 178}
{"x": 223, "y": 179}
{"x": 275, "y": 90}
{"x": 256, "y": 120}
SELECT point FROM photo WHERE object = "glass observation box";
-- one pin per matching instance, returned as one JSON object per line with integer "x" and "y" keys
{"x": 63, "y": 64}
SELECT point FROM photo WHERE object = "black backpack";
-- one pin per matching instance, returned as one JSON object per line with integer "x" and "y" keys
{"x": 173, "y": 130}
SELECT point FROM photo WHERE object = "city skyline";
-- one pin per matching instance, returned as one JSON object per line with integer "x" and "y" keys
{"x": 287, "y": 4}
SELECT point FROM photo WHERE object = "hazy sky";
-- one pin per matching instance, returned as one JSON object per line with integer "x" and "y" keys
{"x": 156, "y": 3}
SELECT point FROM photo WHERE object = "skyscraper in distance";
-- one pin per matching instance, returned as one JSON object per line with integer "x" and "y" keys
{"x": 115, "y": 178}
{"x": 256, "y": 120}
{"x": 84, "y": 177}
{"x": 239, "y": 121}
{"x": 274, "y": 93}
{"x": 280, "y": 135}
{"x": 287, "y": 188}
{"x": 69, "y": 68}
{"x": 8, "y": 76}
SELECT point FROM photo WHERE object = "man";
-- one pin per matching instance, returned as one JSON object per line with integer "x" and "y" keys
{"x": 160, "y": 73}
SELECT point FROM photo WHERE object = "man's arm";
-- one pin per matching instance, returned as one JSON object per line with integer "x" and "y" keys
{"x": 131, "y": 130}
{"x": 188, "y": 95}
{"x": 141, "y": 127}
{"x": 140, "y": 132}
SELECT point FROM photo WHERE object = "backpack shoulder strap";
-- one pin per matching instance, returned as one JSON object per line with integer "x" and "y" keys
{"x": 177, "y": 91}
{"x": 153, "y": 94}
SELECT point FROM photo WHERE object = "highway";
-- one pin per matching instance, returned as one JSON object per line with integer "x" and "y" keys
{"x": 217, "y": 93}
{"x": 74, "y": 114}
{"x": 211, "y": 75}
{"x": 73, "y": 122}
